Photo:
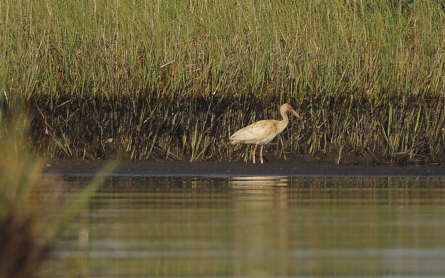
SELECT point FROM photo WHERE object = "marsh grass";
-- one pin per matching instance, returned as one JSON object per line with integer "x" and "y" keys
{"x": 33, "y": 209}
{"x": 173, "y": 79}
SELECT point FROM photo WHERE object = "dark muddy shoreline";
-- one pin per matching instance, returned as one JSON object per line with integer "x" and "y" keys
{"x": 290, "y": 168}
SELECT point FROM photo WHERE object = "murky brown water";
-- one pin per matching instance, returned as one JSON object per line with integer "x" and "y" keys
{"x": 256, "y": 226}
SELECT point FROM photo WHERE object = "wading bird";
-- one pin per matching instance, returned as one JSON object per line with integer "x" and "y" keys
{"x": 262, "y": 132}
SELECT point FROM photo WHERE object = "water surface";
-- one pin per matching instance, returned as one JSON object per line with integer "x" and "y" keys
{"x": 255, "y": 226}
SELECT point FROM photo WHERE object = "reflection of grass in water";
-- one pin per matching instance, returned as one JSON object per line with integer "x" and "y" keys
{"x": 29, "y": 218}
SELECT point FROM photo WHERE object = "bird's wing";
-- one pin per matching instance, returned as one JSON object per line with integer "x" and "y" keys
{"x": 256, "y": 133}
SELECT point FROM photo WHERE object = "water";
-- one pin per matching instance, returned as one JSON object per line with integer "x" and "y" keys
{"x": 255, "y": 226}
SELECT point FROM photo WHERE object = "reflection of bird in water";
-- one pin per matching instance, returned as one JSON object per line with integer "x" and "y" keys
{"x": 259, "y": 181}
{"x": 262, "y": 132}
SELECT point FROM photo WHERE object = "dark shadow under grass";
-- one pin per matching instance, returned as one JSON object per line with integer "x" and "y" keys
{"x": 198, "y": 129}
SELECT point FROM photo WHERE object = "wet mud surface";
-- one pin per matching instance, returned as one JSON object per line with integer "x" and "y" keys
{"x": 289, "y": 168}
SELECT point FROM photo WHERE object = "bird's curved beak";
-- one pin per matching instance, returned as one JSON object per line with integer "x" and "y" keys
{"x": 295, "y": 113}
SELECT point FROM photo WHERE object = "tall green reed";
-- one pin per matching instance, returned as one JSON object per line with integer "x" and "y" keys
{"x": 33, "y": 209}
{"x": 122, "y": 72}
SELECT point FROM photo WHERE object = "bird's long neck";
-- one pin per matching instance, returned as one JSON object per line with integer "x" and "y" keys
{"x": 283, "y": 123}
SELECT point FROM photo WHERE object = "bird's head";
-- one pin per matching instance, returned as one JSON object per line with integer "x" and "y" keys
{"x": 287, "y": 108}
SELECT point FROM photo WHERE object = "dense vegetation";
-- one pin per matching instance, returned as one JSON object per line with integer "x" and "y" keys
{"x": 173, "y": 79}
{"x": 33, "y": 209}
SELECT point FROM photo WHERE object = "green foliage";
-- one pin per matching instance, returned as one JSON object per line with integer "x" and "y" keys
{"x": 30, "y": 217}
{"x": 93, "y": 58}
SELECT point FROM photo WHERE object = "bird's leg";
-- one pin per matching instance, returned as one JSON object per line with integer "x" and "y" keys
{"x": 253, "y": 154}
{"x": 261, "y": 153}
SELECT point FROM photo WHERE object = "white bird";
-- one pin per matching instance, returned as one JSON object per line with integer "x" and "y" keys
{"x": 262, "y": 132}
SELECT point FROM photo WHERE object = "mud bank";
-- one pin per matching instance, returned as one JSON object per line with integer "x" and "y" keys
{"x": 290, "y": 168}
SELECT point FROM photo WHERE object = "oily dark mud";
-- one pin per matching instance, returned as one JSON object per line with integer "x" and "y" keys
{"x": 302, "y": 167}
